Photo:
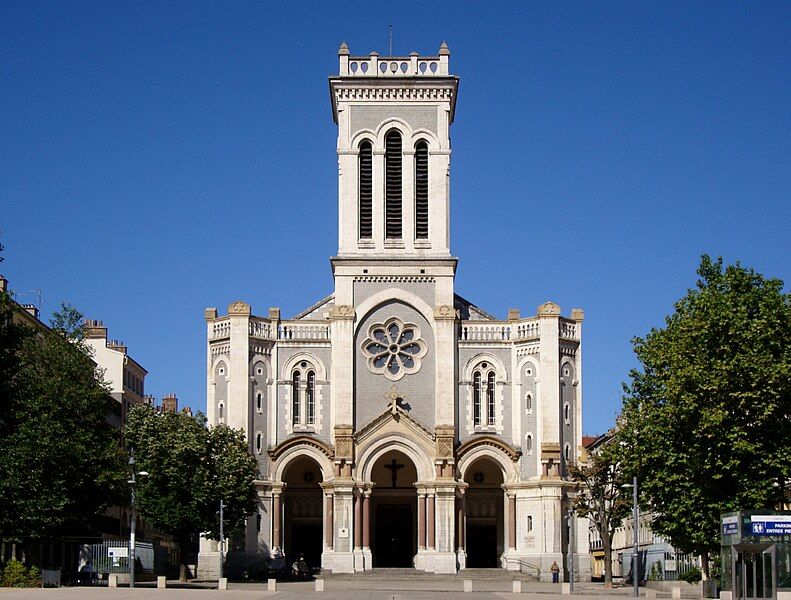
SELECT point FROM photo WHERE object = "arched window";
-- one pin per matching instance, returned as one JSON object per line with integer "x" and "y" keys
{"x": 476, "y": 398}
{"x": 490, "y": 398}
{"x": 259, "y": 401}
{"x": 221, "y": 411}
{"x": 529, "y": 444}
{"x": 421, "y": 191}
{"x": 310, "y": 397}
{"x": 567, "y": 452}
{"x": 393, "y": 185}
{"x": 366, "y": 191}
{"x": 258, "y": 442}
{"x": 566, "y": 413}
{"x": 529, "y": 402}
{"x": 258, "y": 522}
{"x": 295, "y": 398}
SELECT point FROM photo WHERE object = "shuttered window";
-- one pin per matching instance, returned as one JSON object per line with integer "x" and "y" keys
{"x": 421, "y": 191}
{"x": 490, "y": 398}
{"x": 295, "y": 398}
{"x": 393, "y": 185}
{"x": 366, "y": 195}
{"x": 310, "y": 397}
{"x": 476, "y": 398}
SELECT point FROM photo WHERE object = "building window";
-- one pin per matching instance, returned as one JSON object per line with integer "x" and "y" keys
{"x": 490, "y": 399}
{"x": 258, "y": 523}
{"x": 394, "y": 349}
{"x": 221, "y": 411}
{"x": 310, "y": 397}
{"x": 295, "y": 398}
{"x": 483, "y": 396}
{"x": 566, "y": 413}
{"x": 258, "y": 443}
{"x": 529, "y": 523}
{"x": 476, "y": 397}
{"x": 529, "y": 402}
{"x": 393, "y": 185}
{"x": 529, "y": 443}
{"x": 259, "y": 401}
{"x": 567, "y": 452}
{"x": 365, "y": 184}
{"x": 421, "y": 191}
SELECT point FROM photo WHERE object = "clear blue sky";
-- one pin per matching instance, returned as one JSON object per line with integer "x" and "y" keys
{"x": 157, "y": 158}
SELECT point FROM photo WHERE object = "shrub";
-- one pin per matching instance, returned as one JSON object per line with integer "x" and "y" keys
{"x": 17, "y": 575}
{"x": 691, "y": 576}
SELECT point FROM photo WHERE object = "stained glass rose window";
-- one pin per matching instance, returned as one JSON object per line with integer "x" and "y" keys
{"x": 394, "y": 348}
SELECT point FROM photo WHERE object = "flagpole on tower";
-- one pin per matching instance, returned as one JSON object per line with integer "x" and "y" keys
{"x": 391, "y": 41}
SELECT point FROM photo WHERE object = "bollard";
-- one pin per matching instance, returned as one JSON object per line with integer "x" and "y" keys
{"x": 725, "y": 595}
{"x": 112, "y": 581}
{"x": 223, "y": 585}
{"x": 271, "y": 585}
{"x": 319, "y": 585}
{"x": 517, "y": 587}
{"x": 162, "y": 582}
{"x": 468, "y": 585}
{"x": 676, "y": 593}
{"x": 649, "y": 593}
{"x": 565, "y": 589}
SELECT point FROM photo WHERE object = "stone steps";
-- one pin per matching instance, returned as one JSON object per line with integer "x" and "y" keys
{"x": 413, "y": 574}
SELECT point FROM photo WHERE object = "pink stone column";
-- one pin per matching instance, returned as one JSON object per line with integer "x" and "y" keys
{"x": 358, "y": 521}
{"x": 421, "y": 521}
{"x": 328, "y": 524}
{"x": 430, "y": 521}
{"x": 460, "y": 522}
{"x": 276, "y": 541}
{"x": 366, "y": 520}
{"x": 511, "y": 522}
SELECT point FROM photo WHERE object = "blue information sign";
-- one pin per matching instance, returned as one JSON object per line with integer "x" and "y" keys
{"x": 771, "y": 525}
{"x": 730, "y": 529}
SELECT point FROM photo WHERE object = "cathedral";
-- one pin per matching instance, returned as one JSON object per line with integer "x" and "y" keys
{"x": 396, "y": 423}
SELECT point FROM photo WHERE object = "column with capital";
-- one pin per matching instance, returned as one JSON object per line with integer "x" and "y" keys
{"x": 277, "y": 541}
{"x": 328, "y": 520}
{"x": 421, "y": 521}
{"x": 367, "y": 556}
{"x": 430, "y": 531}
{"x": 359, "y": 561}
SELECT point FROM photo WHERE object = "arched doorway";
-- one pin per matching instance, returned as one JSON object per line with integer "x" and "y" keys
{"x": 393, "y": 511}
{"x": 302, "y": 511}
{"x": 484, "y": 514}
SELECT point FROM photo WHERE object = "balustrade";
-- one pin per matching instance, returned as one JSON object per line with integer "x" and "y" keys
{"x": 303, "y": 331}
{"x": 221, "y": 329}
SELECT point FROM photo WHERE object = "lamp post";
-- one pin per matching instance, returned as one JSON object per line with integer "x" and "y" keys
{"x": 571, "y": 549}
{"x": 635, "y": 528}
{"x": 222, "y": 537}
{"x": 132, "y": 482}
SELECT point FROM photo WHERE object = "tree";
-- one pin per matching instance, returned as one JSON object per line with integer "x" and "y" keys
{"x": 191, "y": 467}
{"x": 706, "y": 421}
{"x": 600, "y": 496}
{"x": 60, "y": 462}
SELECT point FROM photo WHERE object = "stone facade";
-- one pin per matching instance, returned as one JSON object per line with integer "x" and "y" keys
{"x": 394, "y": 422}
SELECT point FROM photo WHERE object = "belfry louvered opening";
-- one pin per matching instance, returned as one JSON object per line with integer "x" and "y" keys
{"x": 366, "y": 191}
{"x": 421, "y": 191}
{"x": 393, "y": 185}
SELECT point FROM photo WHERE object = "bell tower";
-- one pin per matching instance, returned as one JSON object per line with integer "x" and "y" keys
{"x": 393, "y": 115}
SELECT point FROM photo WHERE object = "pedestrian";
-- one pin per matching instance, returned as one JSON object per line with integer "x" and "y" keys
{"x": 302, "y": 567}
{"x": 555, "y": 570}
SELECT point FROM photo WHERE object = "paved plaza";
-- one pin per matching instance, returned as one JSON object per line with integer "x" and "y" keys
{"x": 441, "y": 589}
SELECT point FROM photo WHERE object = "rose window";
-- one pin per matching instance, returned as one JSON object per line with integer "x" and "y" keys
{"x": 394, "y": 348}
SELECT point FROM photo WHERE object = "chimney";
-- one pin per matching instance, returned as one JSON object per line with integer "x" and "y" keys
{"x": 148, "y": 400}
{"x": 31, "y": 310}
{"x": 170, "y": 403}
{"x": 94, "y": 329}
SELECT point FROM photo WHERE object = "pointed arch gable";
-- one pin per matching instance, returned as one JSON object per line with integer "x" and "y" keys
{"x": 491, "y": 447}
{"x": 372, "y": 302}
{"x": 499, "y": 367}
{"x": 395, "y": 441}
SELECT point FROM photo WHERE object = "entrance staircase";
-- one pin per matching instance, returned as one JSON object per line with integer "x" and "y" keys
{"x": 415, "y": 575}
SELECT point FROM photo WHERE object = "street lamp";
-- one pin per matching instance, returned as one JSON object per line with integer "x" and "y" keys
{"x": 133, "y": 521}
{"x": 635, "y": 526}
{"x": 571, "y": 548}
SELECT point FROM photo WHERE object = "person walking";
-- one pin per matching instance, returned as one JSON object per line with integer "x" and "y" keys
{"x": 555, "y": 570}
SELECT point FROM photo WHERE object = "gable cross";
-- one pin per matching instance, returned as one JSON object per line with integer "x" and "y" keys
{"x": 394, "y": 468}
{"x": 392, "y": 398}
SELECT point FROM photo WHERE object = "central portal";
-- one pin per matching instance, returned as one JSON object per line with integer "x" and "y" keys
{"x": 394, "y": 510}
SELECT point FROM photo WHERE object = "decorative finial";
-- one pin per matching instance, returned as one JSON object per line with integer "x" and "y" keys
{"x": 392, "y": 398}
{"x": 343, "y": 50}
{"x": 444, "y": 50}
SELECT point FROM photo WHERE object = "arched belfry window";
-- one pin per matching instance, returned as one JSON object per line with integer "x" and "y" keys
{"x": 393, "y": 161}
{"x": 310, "y": 397}
{"x": 295, "y": 416}
{"x": 366, "y": 191}
{"x": 421, "y": 191}
{"x": 483, "y": 396}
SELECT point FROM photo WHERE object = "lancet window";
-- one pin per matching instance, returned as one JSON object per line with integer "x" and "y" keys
{"x": 365, "y": 184}
{"x": 421, "y": 191}
{"x": 393, "y": 181}
{"x": 484, "y": 405}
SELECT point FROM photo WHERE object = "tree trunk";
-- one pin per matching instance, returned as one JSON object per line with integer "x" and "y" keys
{"x": 606, "y": 541}
{"x": 704, "y": 566}
{"x": 183, "y": 571}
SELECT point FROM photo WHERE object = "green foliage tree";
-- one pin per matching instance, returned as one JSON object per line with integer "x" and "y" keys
{"x": 706, "y": 421}
{"x": 600, "y": 497}
{"x": 60, "y": 461}
{"x": 191, "y": 468}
